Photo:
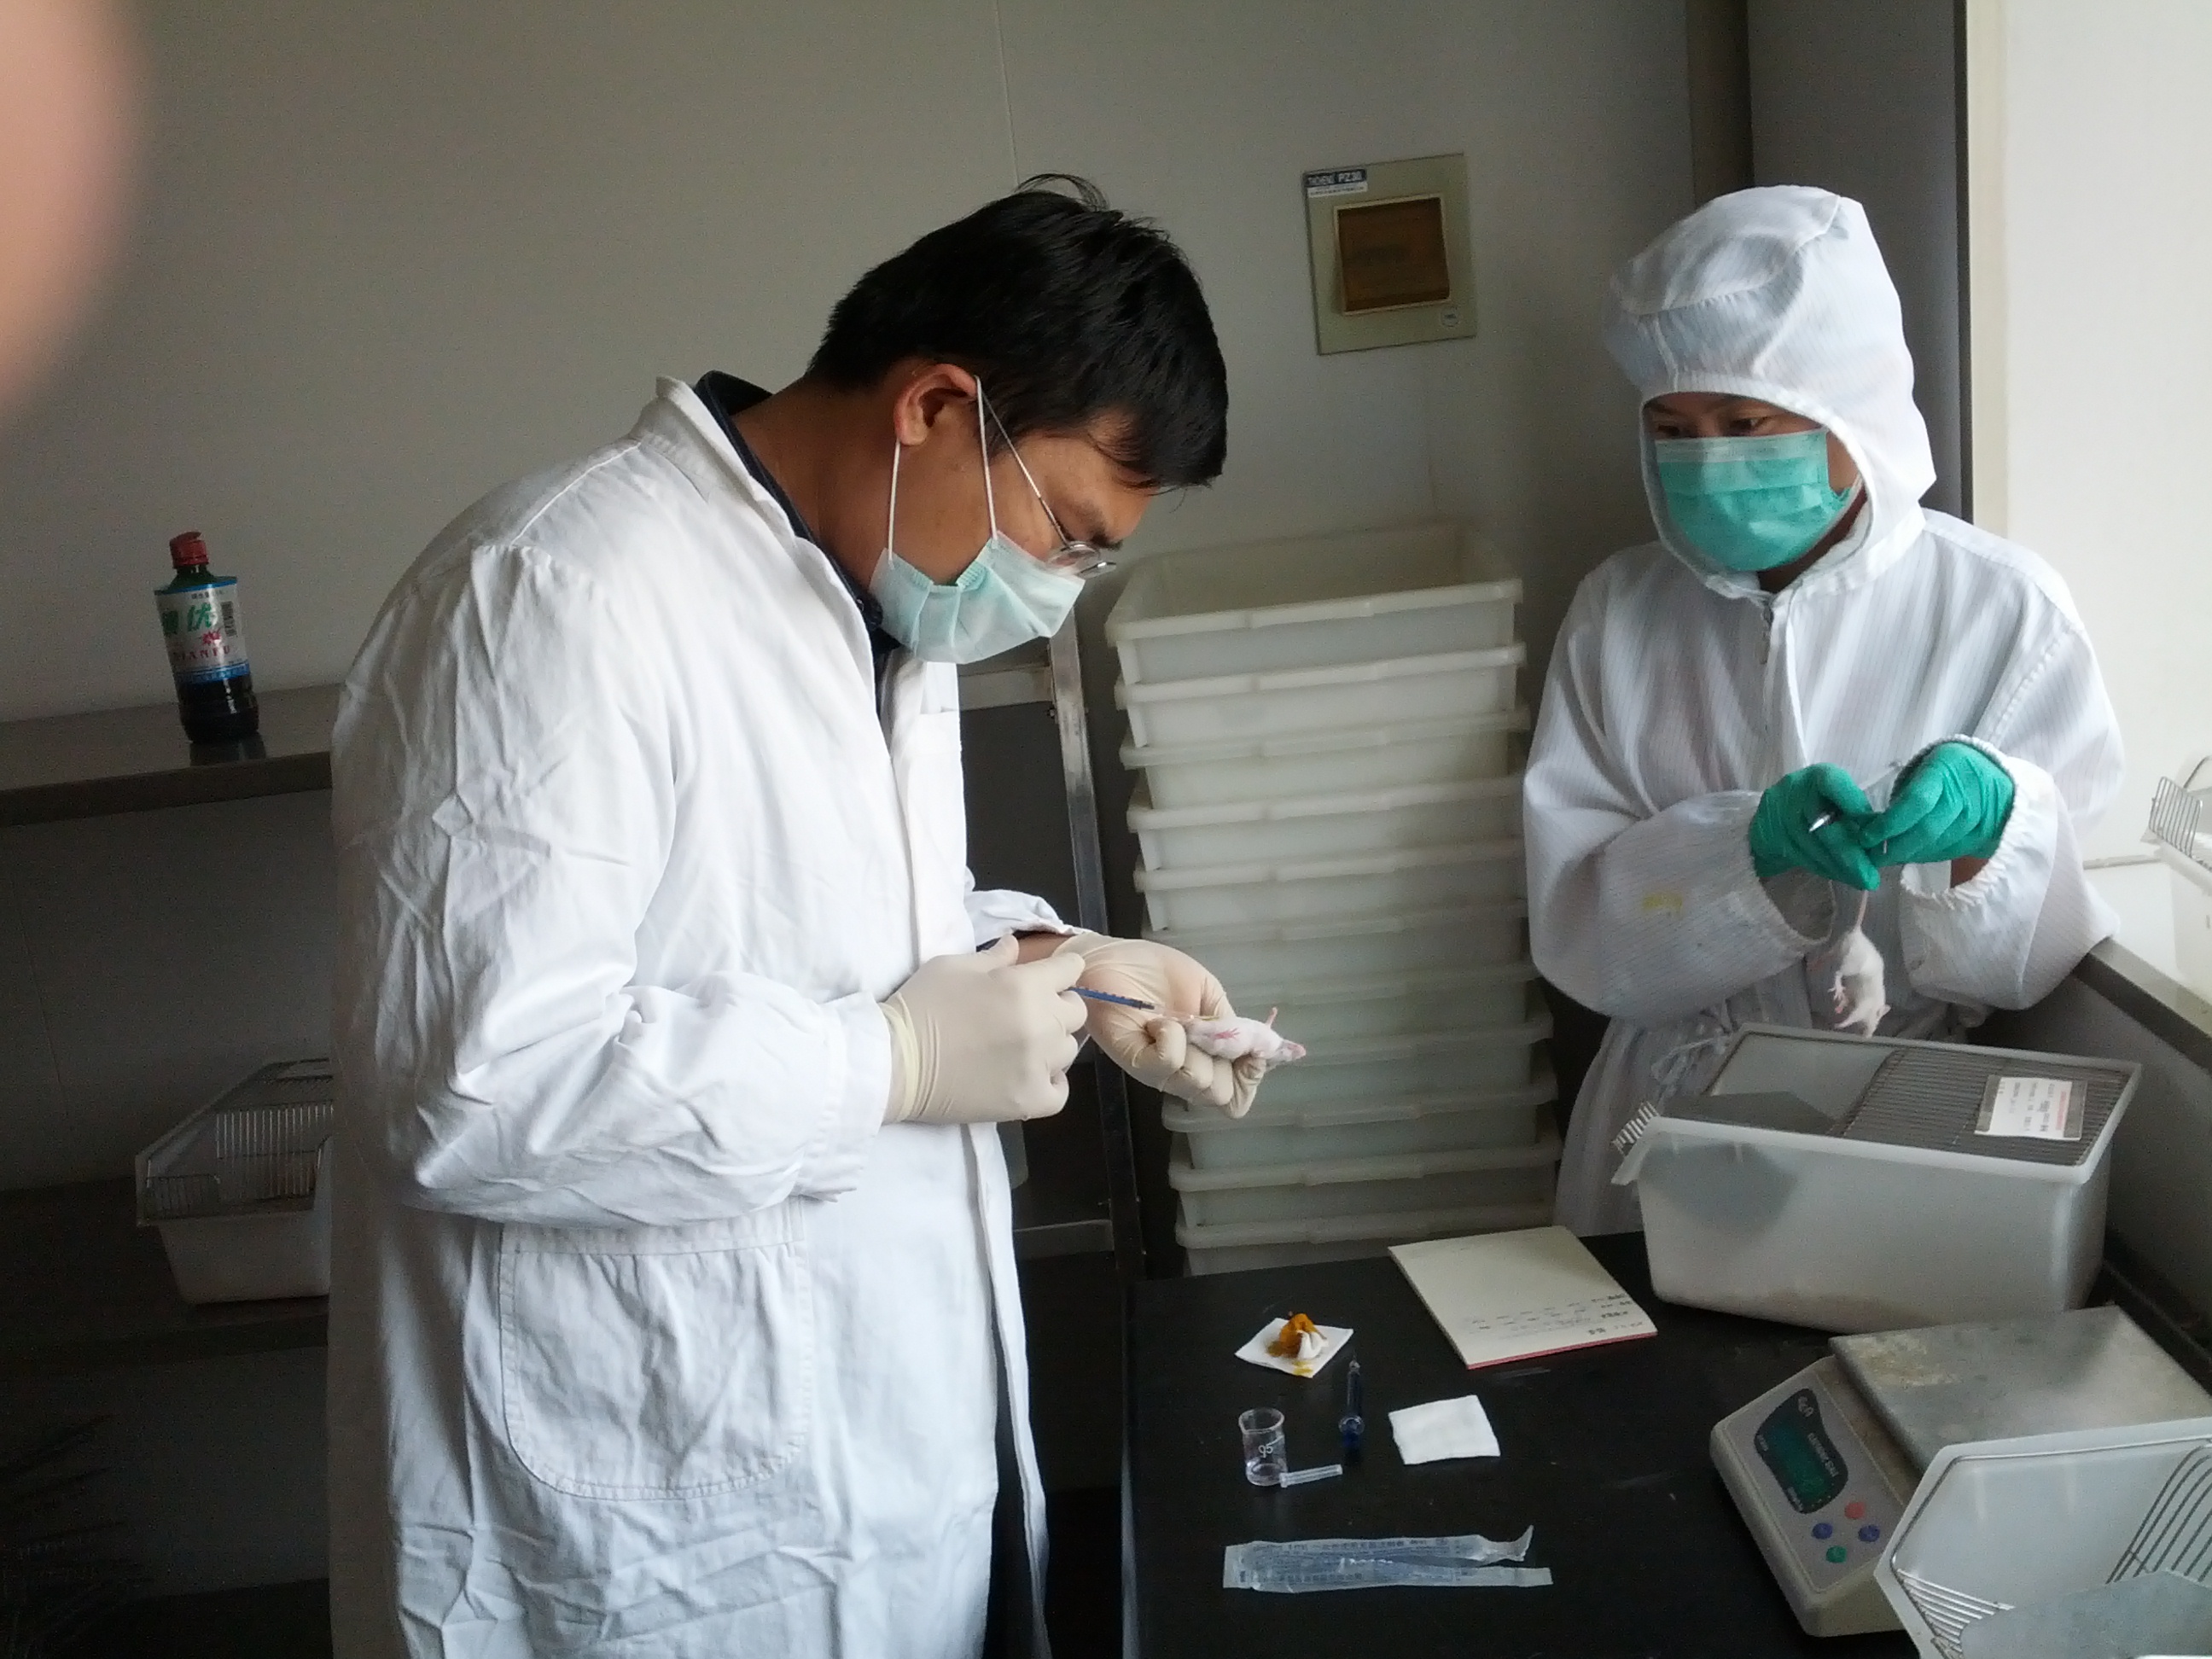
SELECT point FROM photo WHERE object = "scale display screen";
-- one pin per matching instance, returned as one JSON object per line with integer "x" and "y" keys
{"x": 1799, "y": 1454}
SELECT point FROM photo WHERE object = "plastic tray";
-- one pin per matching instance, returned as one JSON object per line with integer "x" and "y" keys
{"x": 1331, "y": 763}
{"x": 1427, "y": 1123}
{"x": 1317, "y": 1015}
{"x": 1462, "y": 1180}
{"x": 1352, "y": 947}
{"x": 1235, "y": 1248}
{"x": 1384, "y": 884}
{"x": 1327, "y": 826}
{"x": 241, "y": 1190}
{"x": 1353, "y": 695}
{"x": 1411, "y": 591}
{"x": 1377, "y": 1069}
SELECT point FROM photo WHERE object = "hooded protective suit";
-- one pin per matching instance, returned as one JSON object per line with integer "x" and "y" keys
{"x": 647, "y": 1338}
{"x": 1678, "y": 691}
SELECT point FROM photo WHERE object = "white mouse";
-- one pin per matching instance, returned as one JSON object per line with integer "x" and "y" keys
{"x": 1856, "y": 986}
{"x": 1242, "y": 1039}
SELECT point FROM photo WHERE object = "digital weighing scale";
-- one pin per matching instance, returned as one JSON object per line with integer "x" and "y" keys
{"x": 1821, "y": 1466}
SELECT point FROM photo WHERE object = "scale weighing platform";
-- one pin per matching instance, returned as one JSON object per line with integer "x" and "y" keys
{"x": 1821, "y": 1466}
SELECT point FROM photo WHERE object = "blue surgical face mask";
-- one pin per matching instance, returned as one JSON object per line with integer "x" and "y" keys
{"x": 1003, "y": 599}
{"x": 1750, "y": 504}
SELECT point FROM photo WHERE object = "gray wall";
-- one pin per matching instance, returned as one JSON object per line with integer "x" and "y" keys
{"x": 146, "y": 961}
{"x": 391, "y": 253}
{"x": 1720, "y": 96}
{"x": 1862, "y": 99}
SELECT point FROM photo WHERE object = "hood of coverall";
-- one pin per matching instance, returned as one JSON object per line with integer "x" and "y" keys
{"x": 1780, "y": 293}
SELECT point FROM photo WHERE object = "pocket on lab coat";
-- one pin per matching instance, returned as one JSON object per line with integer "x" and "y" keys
{"x": 648, "y": 1363}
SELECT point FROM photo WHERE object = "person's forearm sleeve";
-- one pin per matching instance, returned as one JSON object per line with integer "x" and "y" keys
{"x": 1646, "y": 917}
{"x": 993, "y": 913}
{"x": 505, "y": 802}
{"x": 2006, "y": 937}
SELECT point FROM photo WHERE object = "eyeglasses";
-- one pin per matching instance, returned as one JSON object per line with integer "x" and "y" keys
{"x": 1080, "y": 560}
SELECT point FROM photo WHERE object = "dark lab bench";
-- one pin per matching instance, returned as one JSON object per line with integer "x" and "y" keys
{"x": 1604, "y": 1454}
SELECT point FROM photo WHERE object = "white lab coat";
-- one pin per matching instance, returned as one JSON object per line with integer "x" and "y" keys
{"x": 1678, "y": 691}
{"x": 645, "y": 1338}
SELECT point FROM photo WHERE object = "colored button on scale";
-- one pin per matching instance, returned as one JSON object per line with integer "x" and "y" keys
{"x": 1837, "y": 1553}
{"x": 1869, "y": 1533}
{"x": 1854, "y": 1511}
{"x": 1822, "y": 1529}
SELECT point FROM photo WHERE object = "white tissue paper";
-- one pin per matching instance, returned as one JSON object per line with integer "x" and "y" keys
{"x": 1443, "y": 1428}
{"x": 1333, "y": 1339}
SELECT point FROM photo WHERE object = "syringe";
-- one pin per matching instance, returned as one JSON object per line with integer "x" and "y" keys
{"x": 1090, "y": 995}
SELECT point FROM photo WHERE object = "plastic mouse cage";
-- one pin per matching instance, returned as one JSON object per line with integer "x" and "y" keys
{"x": 2179, "y": 833}
{"x": 239, "y": 1190}
{"x": 1854, "y": 1183}
{"x": 2107, "y": 1506}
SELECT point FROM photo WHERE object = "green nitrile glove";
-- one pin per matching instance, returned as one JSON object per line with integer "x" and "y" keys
{"x": 1783, "y": 837}
{"x": 1952, "y": 805}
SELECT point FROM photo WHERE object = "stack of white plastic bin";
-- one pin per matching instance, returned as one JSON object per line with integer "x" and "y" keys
{"x": 1330, "y": 743}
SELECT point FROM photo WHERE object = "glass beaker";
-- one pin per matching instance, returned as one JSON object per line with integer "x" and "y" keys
{"x": 1266, "y": 1456}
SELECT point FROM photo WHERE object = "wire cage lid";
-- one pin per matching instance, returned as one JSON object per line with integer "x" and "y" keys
{"x": 2178, "y": 812}
{"x": 258, "y": 1148}
{"x": 1888, "y": 1091}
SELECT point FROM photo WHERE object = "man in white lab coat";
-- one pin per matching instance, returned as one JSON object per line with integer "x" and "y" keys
{"x": 1722, "y": 701}
{"x": 674, "y": 1309}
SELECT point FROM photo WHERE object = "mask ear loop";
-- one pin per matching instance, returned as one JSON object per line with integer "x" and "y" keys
{"x": 983, "y": 438}
{"x": 890, "y": 513}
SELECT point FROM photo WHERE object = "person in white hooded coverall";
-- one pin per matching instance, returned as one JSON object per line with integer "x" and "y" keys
{"x": 1683, "y": 692}
{"x": 674, "y": 1309}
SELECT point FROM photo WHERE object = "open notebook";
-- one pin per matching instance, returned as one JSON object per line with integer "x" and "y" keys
{"x": 1514, "y": 1296}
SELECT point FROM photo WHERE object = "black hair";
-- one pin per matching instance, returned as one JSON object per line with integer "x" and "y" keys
{"x": 1067, "y": 310}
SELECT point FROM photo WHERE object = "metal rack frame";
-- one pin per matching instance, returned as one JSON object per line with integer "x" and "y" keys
{"x": 1053, "y": 675}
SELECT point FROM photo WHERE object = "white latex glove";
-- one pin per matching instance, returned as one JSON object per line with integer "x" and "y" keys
{"x": 982, "y": 1037}
{"x": 1152, "y": 1047}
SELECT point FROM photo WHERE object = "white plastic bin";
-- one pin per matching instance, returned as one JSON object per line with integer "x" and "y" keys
{"x": 1332, "y": 826}
{"x": 1219, "y": 708}
{"x": 2192, "y": 920}
{"x": 1999, "y": 1524}
{"x": 1352, "y": 947}
{"x": 1317, "y": 1015}
{"x": 239, "y": 1190}
{"x": 1395, "y": 1067}
{"x": 1241, "y": 1245}
{"x": 1427, "y": 1123}
{"x": 1417, "y": 591}
{"x": 1330, "y": 763}
{"x": 1385, "y": 884}
{"x": 1888, "y": 1210}
{"x": 1463, "y": 1180}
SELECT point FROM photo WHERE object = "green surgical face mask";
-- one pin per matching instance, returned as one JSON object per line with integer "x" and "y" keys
{"x": 1750, "y": 504}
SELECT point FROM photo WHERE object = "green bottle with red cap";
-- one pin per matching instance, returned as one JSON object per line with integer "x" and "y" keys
{"x": 207, "y": 646}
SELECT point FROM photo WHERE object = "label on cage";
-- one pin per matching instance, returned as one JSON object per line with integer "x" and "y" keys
{"x": 2030, "y": 1109}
